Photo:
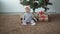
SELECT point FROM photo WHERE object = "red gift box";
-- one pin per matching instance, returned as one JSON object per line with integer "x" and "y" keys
{"x": 43, "y": 17}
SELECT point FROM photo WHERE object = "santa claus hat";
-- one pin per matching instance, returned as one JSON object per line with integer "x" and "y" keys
{"x": 27, "y": 6}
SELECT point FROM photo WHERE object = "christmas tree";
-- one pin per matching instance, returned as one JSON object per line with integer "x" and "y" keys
{"x": 34, "y": 4}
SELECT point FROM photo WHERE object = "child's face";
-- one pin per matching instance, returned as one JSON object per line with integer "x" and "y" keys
{"x": 27, "y": 9}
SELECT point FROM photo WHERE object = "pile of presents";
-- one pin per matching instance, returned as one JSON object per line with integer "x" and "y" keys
{"x": 42, "y": 16}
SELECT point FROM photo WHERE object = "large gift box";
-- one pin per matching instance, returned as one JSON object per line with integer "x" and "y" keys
{"x": 43, "y": 16}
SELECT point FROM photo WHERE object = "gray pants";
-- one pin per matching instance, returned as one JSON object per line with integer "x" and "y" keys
{"x": 24, "y": 22}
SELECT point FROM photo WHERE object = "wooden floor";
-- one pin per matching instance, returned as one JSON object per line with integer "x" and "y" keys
{"x": 10, "y": 24}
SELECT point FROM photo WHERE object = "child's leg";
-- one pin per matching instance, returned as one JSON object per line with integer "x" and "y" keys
{"x": 32, "y": 22}
{"x": 24, "y": 22}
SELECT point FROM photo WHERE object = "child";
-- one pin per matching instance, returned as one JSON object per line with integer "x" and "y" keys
{"x": 28, "y": 17}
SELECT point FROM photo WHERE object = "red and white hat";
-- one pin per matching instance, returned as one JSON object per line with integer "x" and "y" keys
{"x": 28, "y": 6}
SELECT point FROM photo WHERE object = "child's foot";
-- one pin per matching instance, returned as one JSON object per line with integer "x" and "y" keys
{"x": 24, "y": 24}
{"x": 33, "y": 24}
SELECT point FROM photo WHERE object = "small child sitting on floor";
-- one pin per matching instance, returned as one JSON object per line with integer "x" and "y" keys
{"x": 28, "y": 17}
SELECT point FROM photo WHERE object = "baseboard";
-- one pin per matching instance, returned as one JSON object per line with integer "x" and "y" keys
{"x": 10, "y": 13}
{"x": 17, "y": 13}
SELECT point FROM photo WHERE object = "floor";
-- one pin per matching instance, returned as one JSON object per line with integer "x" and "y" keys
{"x": 10, "y": 24}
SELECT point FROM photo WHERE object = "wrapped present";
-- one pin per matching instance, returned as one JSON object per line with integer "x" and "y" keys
{"x": 43, "y": 18}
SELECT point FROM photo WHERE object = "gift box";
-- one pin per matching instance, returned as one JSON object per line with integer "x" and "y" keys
{"x": 43, "y": 16}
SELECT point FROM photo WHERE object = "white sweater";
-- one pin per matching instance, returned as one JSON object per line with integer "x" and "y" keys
{"x": 27, "y": 17}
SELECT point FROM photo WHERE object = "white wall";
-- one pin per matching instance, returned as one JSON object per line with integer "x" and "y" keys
{"x": 14, "y": 6}
{"x": 11, "y": 6}
{"x": 52, "y": 7}
{"x": 57, "y": 6}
